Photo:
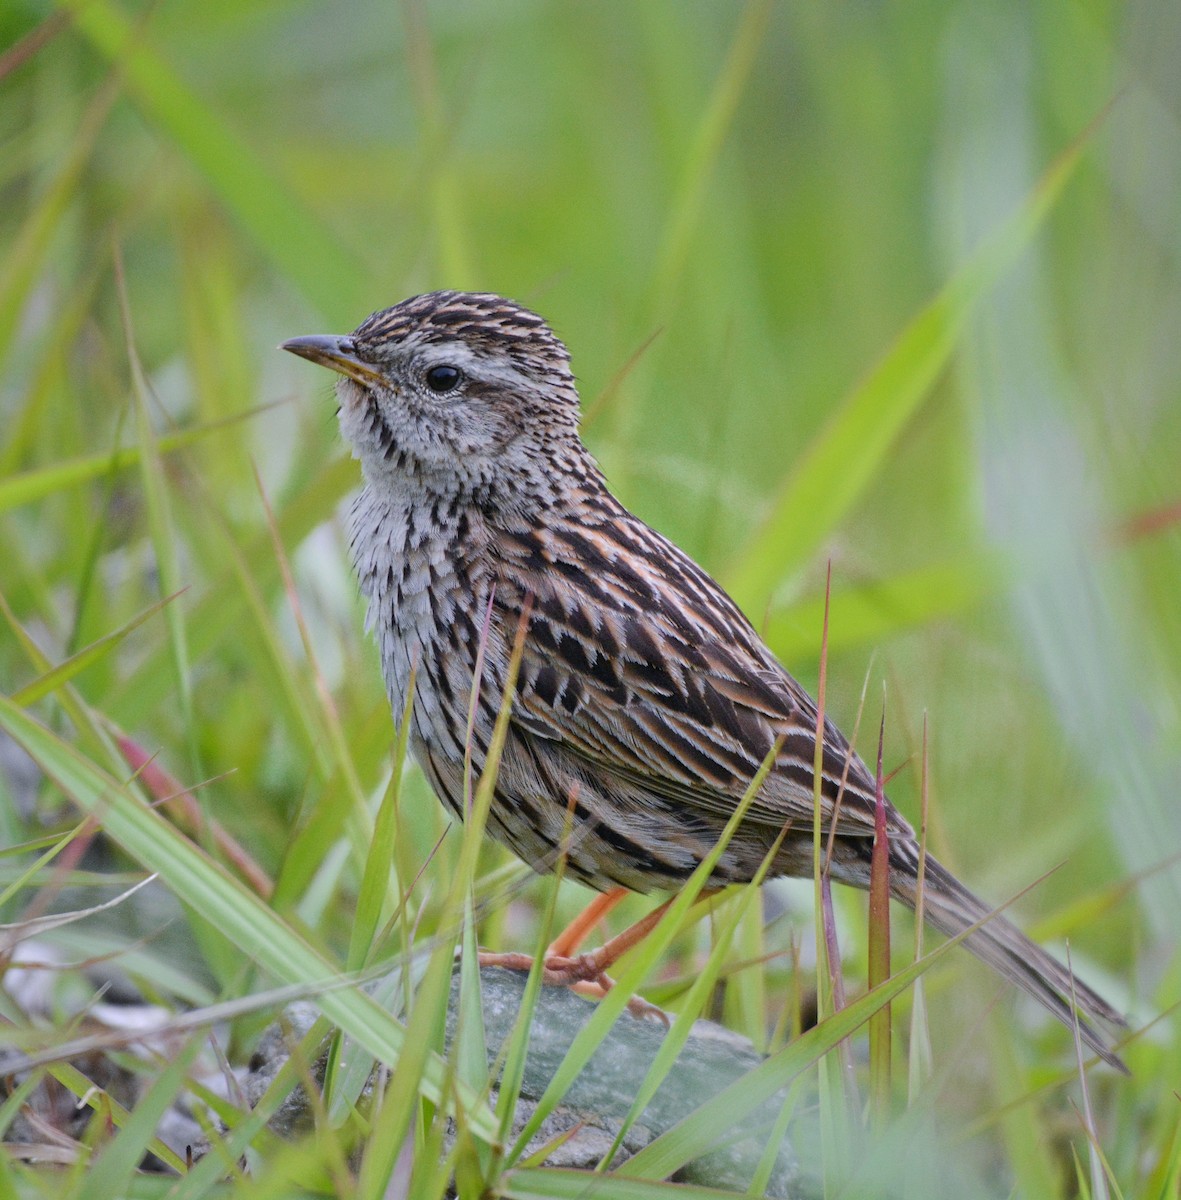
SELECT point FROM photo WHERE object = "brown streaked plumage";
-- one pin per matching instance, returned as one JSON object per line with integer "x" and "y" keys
{"x": 645, "y": 700}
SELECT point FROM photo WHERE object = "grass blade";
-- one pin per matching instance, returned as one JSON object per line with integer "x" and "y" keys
{"x": 692, "y": 1136}
{"x": 33, "y": 242}
{"x": 879, "y": 949}
{"x": 700, "y": 161}
{"x": 608, "y": 1010}
{"x": 60, "y": 675}
{"x": 274, "y": 217}
{"x": 557, "y": 1183}
{"x": 834, "y": 472}
{"x": 868, "y": 613}
{"x": 222, "y": 900}
{"x": 110, "y": 1173}
{"x": 28, "y": 487}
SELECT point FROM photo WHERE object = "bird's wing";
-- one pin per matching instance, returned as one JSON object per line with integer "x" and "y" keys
{"x": 639, "y": 664}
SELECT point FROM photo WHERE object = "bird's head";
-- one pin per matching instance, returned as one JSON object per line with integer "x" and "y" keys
{"x": 463, "y": 393}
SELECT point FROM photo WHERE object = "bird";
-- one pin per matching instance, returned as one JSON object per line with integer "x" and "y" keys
{"x": 485, "y": 537}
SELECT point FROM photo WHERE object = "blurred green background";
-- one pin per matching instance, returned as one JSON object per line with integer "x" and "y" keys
{"x": 894, "y": 287}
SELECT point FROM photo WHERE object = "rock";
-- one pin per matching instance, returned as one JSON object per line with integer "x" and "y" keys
{"x": 600, "y": 1097}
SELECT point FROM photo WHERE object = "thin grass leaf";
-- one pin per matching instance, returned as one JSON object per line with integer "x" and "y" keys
{"x": 748, "y": 906}
{"x": 824, "y": 980}
{"x": 39, "y": 483}
{"x": 879, "y": 948}
{"x": 19, "y": 849}
{"x": 869, "y": 613}
{"x": 470, "y": 1174}
{"x": 227, "y": 1149}
{"x": 217, "y": 612}
{"x": 25, "y": 257}
{"x": 309, "y": 876}
{"x": 66, "y": 670}
{"x": 154, "y": 975}
{"x": 846, "y": 456}
{"x": 693, "y": 1135}
{"x": 1033, "y": 1169}
{"x": 221, "y": 899}
{"x": 162, "y": 528}
{"x": 110, "y": 1172}
{"x": 360, "y": 822}
{"x": 779, "y": 1130}
{"x": 87, "y": 1146}
{"x": 1149, "y": 523}
{"x": 1093, "y": 908}
{"x": 608, "y": 1010}
{"x": 451, "y": 227}
{"x": 246, "y": 587}
{"x": 745, "y": 1000}
{"x": 399, "y": 1100}
{"x": 30, "y": 44}
{"x": 1100, "y": 1171}
{"x": 48, "y": 377}
{"x": 918, "y": 1069}
{"x": 183, "y": 808}
{"x": 379, "y": 872}
{"x": 115, "y": 1038}
{"x": 516, "y": 1046}
{"x": 89, "y": 731}
{"x": 91, "y": 595}
{"x": 335, "y": 1155}
{"x": 558, "y": 1183}
{"x": 836, "y": 1083}
{"x": 349, "y": 1068}
{"x": 276, "y": 219}
{"x": 15, "y": 1101}
{"x": 1165, "y": 1181}
{"x": 701, "y": 159}
{"x": 55, "y": 847}
{"x": 609, "y": 393}
{"x": 1080, "y": 1175}
{"x": 748, "y": 901}
{"x": 433, "y": 1170}
{"x": 470, "y": 1051}
{"x": 12, "y": 935}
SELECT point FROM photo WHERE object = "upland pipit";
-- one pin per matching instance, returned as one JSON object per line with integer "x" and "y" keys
{"x": 645, "y": 702}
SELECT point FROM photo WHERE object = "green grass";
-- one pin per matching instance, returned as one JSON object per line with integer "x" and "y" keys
{"x": 887, "y": 288}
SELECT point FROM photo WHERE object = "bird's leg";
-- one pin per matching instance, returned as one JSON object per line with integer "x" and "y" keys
{"x": 587, "y": 973}
{"x": 580, "y": 973}
{"x": 572, "y": 969}
{"x": 568, "y": 941}
{"x": 559, "y": 953}
{"x": 561, "y": 949}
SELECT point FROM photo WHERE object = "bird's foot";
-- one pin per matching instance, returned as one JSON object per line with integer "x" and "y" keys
{"x": 581, "y": 973}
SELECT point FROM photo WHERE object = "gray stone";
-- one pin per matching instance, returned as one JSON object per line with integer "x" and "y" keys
{"x": 599, "y": 1099}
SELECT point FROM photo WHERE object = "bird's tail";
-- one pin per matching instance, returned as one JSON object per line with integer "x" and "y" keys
{"x": 951, "y": 909}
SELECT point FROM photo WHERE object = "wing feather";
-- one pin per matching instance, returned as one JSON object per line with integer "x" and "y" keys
{"x": 644, "y": 670}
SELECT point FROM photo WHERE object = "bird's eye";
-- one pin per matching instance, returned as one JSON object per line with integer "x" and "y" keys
{"x": 443, "y": 378}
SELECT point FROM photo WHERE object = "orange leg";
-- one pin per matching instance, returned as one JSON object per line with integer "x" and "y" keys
{"x": 566, "y": 943}
{"x": 587, "y": 973}
{"x": 576, "y": 932}
{"x": 574, "y": 968}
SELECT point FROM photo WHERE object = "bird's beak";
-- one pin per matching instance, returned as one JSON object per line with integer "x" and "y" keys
{"x": 335, "y": 353}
